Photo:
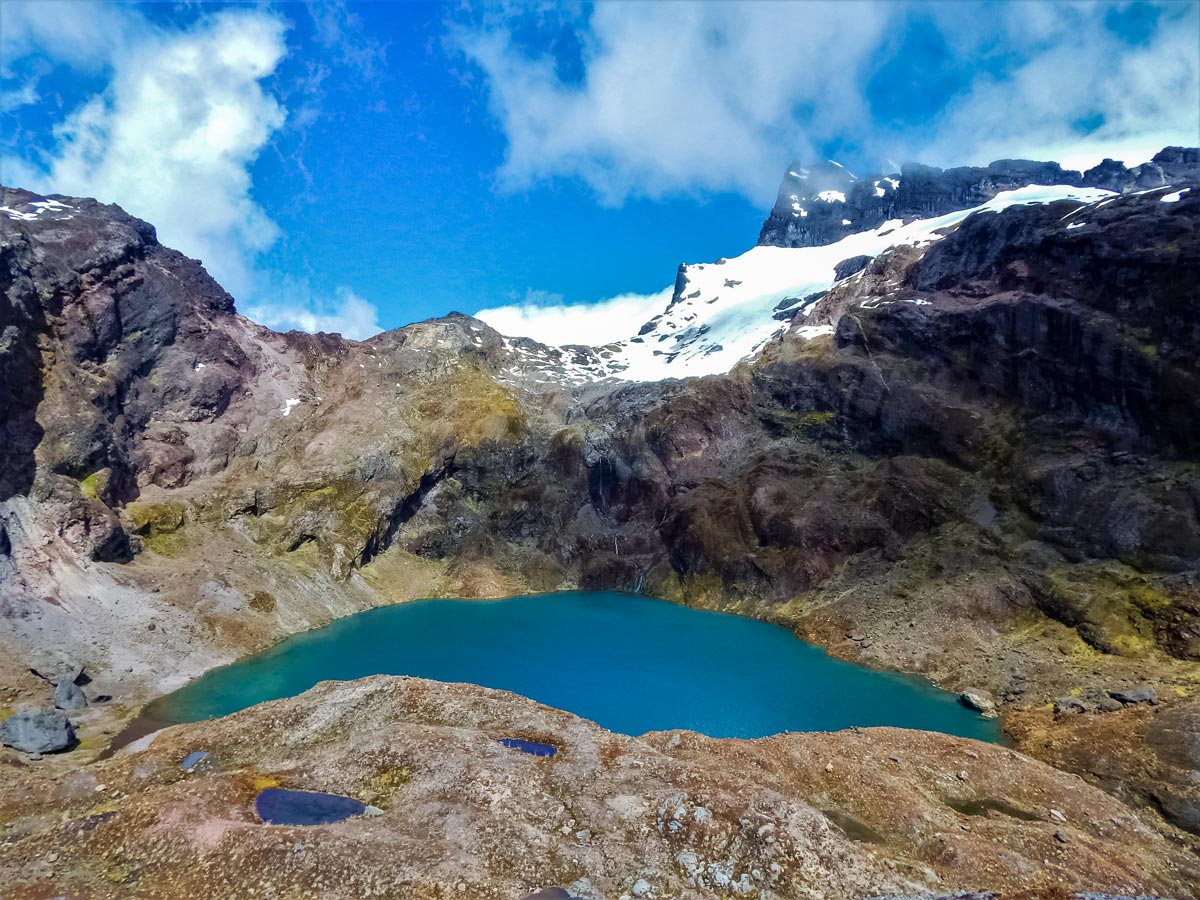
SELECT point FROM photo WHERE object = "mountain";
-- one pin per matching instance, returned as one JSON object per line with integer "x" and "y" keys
{"x": 825, "y": 219}
{"x": 968, "y": 440}
{"x": 825, "y": 202}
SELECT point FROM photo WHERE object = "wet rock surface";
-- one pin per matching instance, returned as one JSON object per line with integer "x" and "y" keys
{"x": 673, "y": 814}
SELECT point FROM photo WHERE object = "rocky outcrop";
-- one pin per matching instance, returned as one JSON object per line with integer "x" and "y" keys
{"x": 823, "y": 203}
{"x": 848, "y": 815}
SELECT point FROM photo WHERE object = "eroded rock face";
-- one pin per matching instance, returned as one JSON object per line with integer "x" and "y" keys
{"x": 842, "y": 815}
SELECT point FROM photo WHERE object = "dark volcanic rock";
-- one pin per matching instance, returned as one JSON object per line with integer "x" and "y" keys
{"x": 37, "y": 731}
{"x": 848, "y": 267}
{"x": 822, "y": 204}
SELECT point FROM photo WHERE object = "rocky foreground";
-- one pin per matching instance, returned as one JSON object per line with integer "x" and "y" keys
{"x": 669, "y": 815}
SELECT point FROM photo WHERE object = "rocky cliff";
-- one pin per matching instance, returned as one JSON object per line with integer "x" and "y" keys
{"x": 974, "y": 457}
{"x": 824, "y": 202}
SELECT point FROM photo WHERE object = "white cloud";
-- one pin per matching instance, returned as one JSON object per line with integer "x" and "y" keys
{"x": 1148, "y": 95}
{"x": 172, "y": 137}
{"x": 679, "y": 97}
{"x": 299, "y": 309}
{"x": 85, "y": 33}
{"x": 546, "y": 318}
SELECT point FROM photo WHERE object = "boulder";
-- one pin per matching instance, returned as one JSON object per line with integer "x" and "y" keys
{"x": 1135, "y": 695}
{"x": 37, "y": 731}
{"x": 1071, "y": 705}
{"x": 1179, "y": 808}
{"x": 67, "y": 695}
{"x": 980, "y": 701}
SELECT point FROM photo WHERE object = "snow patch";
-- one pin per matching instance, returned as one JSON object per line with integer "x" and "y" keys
{"x": 39, "y": 207}
{"x": 707, "y": 328}
{"x": 808, "y": 332}
{"x": 289, "y": 405}
{"x": 1175, "y": 197}
{"x": 831, "y": 196}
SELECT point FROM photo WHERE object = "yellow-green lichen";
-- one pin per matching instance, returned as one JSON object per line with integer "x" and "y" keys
{"x": 151, "y": 519}
{"x": 94, "y": 485}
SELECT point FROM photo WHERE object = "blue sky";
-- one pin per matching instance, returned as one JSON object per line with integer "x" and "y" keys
{"x": 357, "y": 166}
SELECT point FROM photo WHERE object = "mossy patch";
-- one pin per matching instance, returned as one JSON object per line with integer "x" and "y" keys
{"x": 468, "y": 406}
{"x": 93, "y": 486}
{"x": 169, "y": 544}
{"x": 387, "y": 781}
{"x": 153, "y": 519}
{"x": 262, "y": 601}
{"x": 262, "y": 782}
{"x": 398, "y": 575}
{"x": 1111, "y": 606}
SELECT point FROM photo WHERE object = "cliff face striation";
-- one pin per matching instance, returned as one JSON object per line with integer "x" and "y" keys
{"x": 975, "y": 453}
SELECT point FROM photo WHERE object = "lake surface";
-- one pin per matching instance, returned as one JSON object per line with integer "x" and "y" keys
{"x": 630, "y": 663}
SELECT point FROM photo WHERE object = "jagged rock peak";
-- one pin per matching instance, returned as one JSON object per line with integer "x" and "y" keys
{"x": 820, "y": 204}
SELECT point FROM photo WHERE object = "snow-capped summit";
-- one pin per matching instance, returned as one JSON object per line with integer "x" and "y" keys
{"x": 724, "y": 311}
{"x": 823, "y": 203}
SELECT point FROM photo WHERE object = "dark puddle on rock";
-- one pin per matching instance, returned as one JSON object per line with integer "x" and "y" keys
{"x": 549, "y": 894}
{"x": 854, "y": 829}
{"x": 281, "y": 806}
{"x": 986, "y": 805}
{"x": 533, "y": 748}
{"x": 193, "y": 759}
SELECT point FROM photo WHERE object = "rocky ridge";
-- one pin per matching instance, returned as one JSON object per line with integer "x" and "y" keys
{"x": 823, "y": 202}
{"x": 981, "y": 465}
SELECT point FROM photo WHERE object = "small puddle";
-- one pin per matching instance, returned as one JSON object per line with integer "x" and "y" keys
{"x": 986, "y": 805}
{"x": 281, "y": 806}
{"x": 193, "y": 759}
{"x": 855, "y": 830}
{"x": 531, "y": 747}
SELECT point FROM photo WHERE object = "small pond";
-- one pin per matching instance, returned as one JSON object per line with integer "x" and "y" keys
{"x": 628, "y": 662}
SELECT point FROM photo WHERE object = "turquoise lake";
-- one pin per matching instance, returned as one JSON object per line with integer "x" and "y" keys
{"x": 630, "y": 663}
